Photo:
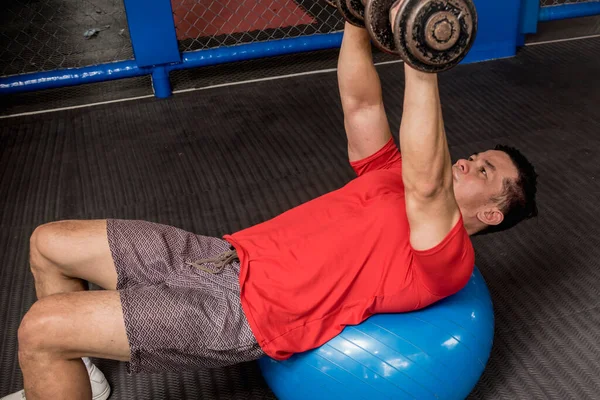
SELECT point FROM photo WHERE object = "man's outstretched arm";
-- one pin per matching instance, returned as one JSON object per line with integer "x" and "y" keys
{"x": 426, "y": 166}
{"x": 365, "y": 120}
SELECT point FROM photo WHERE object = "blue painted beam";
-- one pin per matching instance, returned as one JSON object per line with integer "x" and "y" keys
{"x": 530, "y": 10}
{"x": 152, "y": 32}
{"x": 129, "y": 69}
{"x": 256, "y": 50}
{"x": 70, "y": 77}
{"x": 565, "y": 11}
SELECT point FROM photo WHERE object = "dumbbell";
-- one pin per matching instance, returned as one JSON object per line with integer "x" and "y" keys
{"x": 429, "y": 35}
{"x": 353, "y": 11}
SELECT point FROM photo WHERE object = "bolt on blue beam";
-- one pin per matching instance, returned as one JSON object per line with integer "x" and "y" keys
{"x": 565, "y": 11}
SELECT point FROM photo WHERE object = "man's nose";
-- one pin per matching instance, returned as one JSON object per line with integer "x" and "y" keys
{"x": 463, "y": 165}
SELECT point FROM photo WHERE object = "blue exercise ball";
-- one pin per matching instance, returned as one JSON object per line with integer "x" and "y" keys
{"x": 438, "y": 352}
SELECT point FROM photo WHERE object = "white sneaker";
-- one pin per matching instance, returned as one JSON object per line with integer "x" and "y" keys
{"x": 20, "y": 395}
{"x": 100, "y": 386}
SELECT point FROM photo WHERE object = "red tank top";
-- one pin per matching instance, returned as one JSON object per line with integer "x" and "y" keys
{"x": 340, "y": 258}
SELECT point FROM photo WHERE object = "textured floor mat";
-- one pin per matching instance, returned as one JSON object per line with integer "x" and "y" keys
{"x": 219, "y": 160}
{"x": 566, "y": 28}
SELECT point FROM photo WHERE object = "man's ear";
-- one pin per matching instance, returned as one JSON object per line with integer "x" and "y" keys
{"x": 491, "y": 216}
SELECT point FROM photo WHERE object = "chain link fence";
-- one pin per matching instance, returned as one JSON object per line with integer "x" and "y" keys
{"x": 43, "y": 35}
{"x": 549, "y": 3}
{"x": 203, "y": 24}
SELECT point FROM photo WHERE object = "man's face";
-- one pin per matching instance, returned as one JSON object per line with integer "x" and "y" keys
{"x": 478, "y": 179}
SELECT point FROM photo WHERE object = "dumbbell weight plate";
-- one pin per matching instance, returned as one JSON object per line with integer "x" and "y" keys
{"x": 348, "y": 16}
{"x": 435, "y": 35}
{"x": 356, "y": 8}
{"x": 377, "y": 22}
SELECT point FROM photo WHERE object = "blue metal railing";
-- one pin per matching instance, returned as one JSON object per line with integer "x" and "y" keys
{"x": 532, "y": 12}
{"x": 565, "y": 11}
{"x": 156, "y": 51}
{"x": 195, "y": 59}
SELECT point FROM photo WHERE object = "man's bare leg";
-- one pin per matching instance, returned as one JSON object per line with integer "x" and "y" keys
{"x": 65, "y": 254}
{"x": 60, "y": 329}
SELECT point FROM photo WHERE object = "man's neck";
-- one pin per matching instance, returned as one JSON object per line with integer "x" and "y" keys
{"x": 472, "y": 224}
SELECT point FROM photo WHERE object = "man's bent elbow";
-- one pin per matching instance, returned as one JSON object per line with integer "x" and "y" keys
{"x": 355, "y": 106}
{"x": 428, "y": 189}
{"x": 423, "y": 191}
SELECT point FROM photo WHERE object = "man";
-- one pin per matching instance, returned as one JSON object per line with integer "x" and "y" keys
{"x": 394, "y": 239}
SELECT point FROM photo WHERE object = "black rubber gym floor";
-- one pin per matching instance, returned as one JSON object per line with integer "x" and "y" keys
{"x": 218, "y": 160}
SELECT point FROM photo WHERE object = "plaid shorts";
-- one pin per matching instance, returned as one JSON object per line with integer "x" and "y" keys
{"x": 178, "y": 315}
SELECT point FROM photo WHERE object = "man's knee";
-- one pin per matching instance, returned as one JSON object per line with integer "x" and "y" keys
{"x": 39, "y": 329}
{"x": 75, "y": 249}
{"x": 39, "y": 240}
{"x": 44, "y": 245}
{"x": 72, "y": 325}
